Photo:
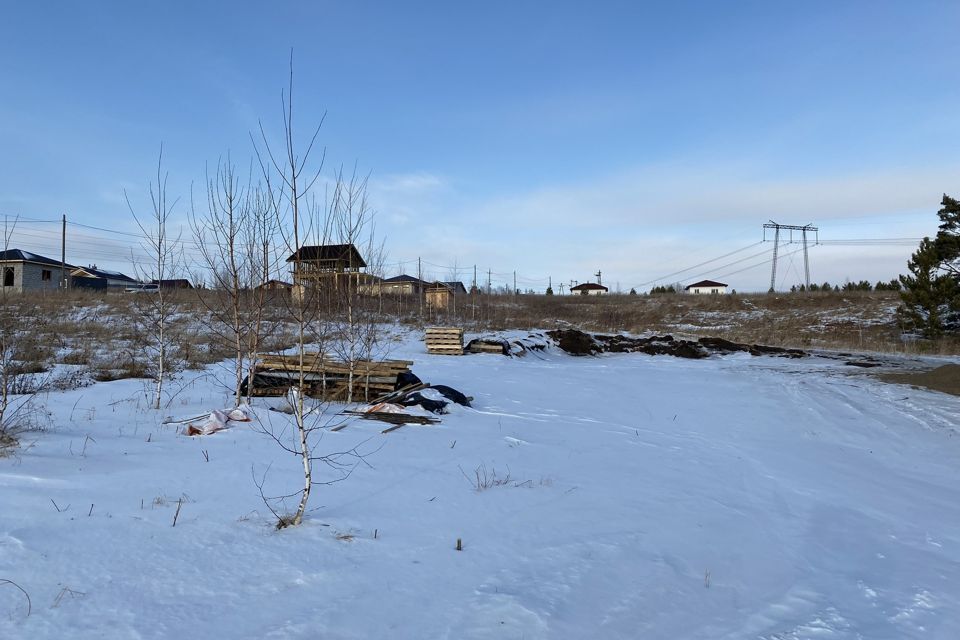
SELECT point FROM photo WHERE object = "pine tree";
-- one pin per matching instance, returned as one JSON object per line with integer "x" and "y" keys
{"x": 931, "y": 294}
{"x": 927, "y": 291}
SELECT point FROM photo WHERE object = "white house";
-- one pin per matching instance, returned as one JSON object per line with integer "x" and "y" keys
{"x": 706, "y": 286}
{"x": 588, "y": 289}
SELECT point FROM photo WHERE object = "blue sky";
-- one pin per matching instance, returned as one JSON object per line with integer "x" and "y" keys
{"x": 554, "y": 139}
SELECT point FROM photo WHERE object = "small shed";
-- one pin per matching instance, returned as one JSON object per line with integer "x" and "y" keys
{"x": 706, "y": 287}
{"x": 439, "y": 296}
{"x": 589, "y": 289}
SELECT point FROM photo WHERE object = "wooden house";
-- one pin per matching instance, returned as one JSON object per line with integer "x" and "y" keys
{"x": 328, "y": 265}
{"x": 440, "y": 295}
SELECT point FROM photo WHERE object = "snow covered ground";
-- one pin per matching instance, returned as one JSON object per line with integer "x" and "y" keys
{"x": 648, "y": 497}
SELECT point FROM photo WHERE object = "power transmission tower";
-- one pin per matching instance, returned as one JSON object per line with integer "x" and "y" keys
{"x": 790, "y": 228}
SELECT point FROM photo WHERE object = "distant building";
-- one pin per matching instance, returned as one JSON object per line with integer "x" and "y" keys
{"x": 440, "y": 295}
{"x": 93, "y": 278}
{"x": 274, "y": 285}
{"x": 325, "y": 265}
{"x": 706, "y": 287}
{"x": 174, "y": 283}
{"x": 589, "y": 289}
{"x": 403, "y": 285}
{"x": 24, "y": 271}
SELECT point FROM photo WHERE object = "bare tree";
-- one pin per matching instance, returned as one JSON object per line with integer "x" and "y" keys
{"x": 288, "y": 181}
{"x": 356, "y": 321}
{"x": 163, "y": 256}
{"x": 233, "y": 236}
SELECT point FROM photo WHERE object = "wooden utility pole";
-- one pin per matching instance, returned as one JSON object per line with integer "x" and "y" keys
{"x": 420, "y": 287}
{"x": 514, "y": 283}
{"x": 63, "y": 253}
{"x": 599, "y": 275}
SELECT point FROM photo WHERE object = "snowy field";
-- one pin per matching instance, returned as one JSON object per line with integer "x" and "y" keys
{"x": 648, "y": 497}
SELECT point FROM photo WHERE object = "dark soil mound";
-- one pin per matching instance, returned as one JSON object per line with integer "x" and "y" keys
{"x": 575, "y": 342}
{"x": 579, "y": 343}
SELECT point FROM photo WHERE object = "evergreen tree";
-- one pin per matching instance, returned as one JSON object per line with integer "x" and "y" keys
{"x": 549, "y": 291}
{"x": 927, "y": 291}
{"x": 931, "y": 294}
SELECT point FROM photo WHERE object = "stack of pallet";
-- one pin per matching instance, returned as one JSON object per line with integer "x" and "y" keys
{"x": 446, "y": 341}
{"x": 327, "y": 378}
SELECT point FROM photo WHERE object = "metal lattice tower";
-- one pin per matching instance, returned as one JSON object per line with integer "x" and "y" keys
{"x": 776, "y": 246}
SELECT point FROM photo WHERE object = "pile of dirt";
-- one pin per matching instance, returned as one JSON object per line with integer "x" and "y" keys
{"x": 945, "y": 379}
{"x": 579, "y": 343}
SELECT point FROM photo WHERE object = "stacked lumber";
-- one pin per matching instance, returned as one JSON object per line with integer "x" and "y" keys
{"x": 327, "y": 378}
{"x": 444, "y": 341}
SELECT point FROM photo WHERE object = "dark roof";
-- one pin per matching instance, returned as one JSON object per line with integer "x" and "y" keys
{"x": 173, "y": 283}
{"x": 705, "y": 283}
{"x": 456, "y": 287}
{"x": 109, "y": 275}
{"x": 19, "y": 255}
{"x": 274, "y": 283}
{"x": 329, "y": 252}
{"x": 593, "y": 286}
{"x": 404, "y": 278}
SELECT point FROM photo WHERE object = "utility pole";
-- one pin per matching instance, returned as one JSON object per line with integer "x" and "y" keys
{"x": 420, "y": 287}
{"x": 63, "y": 253}
{"x": 550, "y": 283}
{"x": 514, "y": 283}
{"x": 489, "y": 290}
{"x": 803, "y": 229}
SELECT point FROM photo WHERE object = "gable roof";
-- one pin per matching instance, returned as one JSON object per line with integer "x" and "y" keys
{"x": 404, "y": 278}
{"x": 102, "y": 273}
{"x": 19, "y": 255}
{"x": 329, "y": 252}
{"x": 589, "y": 286}
{"x": 456, "y": 287}
{"x": 705, "y": 283}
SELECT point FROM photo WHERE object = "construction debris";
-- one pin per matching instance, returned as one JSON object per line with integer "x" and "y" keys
{"x": 216, "y": 421}
{"x": 444, "y": 341}
{"x": 508, "y": 347}
{"x": 326, "y": 378}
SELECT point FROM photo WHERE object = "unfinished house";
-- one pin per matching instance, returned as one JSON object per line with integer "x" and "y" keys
{"x": 328, "y": 267}
{"x": 24, "y": 271}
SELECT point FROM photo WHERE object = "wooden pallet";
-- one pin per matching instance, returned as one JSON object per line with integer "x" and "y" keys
{"x": 444, "y": 340}
{"x": 327, "y": 378}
